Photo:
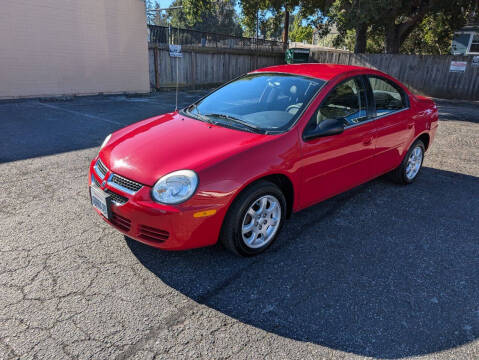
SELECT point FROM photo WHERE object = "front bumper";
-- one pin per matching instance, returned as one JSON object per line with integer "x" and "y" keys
{"x": 171, "y": 227}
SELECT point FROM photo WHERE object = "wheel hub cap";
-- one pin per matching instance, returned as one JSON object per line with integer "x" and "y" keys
{"x": 261, "y": 221}
{"x": 414, "y": 163}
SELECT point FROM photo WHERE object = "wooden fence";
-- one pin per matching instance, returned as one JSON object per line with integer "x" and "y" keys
{"x": 204, "y": 67}
{"x": 424, "y": 74}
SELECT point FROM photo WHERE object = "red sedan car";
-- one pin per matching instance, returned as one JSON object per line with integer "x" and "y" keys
{"x": 235, "y": 164}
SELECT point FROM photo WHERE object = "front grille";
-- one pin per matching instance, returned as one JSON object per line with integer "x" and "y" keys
{"x": 152, "y": 234}
{"x": 125, "y": 183}
{"x": 95, "y": 181}
{"x": 101, "y": 168}
{"x": 120, "y": 221}
{"x": 116, "y": 197}
{"x": 116, "y": 181}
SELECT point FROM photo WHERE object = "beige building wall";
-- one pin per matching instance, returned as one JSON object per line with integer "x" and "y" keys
{"x": 66, "y": 47}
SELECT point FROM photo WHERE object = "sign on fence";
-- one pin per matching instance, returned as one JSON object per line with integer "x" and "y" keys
{"x": 458, "y": 66}
{"x": 175, "y": 51}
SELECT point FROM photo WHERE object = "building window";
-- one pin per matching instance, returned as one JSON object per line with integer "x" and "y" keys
{"x": 474, "y": 44}
{"x": 460, "y": 43}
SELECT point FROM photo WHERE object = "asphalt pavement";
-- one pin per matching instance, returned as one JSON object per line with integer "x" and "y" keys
{"x": 382, "y": 271}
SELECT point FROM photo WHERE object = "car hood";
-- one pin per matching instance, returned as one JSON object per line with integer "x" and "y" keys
{"x": 147, "y": 150}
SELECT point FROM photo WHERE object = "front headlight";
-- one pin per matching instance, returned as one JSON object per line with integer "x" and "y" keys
{"x": 105, "y": 141}
{"x": 176, "y": 187}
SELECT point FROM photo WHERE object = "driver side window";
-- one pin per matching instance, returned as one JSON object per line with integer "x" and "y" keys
{"x": 347, "y": 101}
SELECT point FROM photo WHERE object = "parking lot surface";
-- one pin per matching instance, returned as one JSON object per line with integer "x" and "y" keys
{"x": 383, "y": 271}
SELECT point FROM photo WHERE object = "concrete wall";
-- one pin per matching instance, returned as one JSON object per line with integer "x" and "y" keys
{"x": 65, "y": 47}
{"x": 423, "y": 74}
{"x": 201, "y": 67}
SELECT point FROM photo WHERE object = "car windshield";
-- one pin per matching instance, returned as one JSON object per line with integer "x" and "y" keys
{"x": 260, "y": 102}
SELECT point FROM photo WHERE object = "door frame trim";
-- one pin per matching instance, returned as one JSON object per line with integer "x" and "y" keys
{"x": 376, "y": 118}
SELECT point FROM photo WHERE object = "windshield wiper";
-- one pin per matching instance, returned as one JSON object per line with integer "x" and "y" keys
{"x": 198, "y": 114}
{"x": 236, "y": 120}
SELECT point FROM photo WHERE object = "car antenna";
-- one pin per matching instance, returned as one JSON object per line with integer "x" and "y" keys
{"x": 178, "y": 54}
{"x": 177, "y": 61}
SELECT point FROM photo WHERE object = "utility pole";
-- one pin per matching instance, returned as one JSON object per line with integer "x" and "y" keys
{"x": 257, "y": 37}
{"x": 257, "y": 25}
{"x": 178, "y": 43}
{"x": 286, "y": 28}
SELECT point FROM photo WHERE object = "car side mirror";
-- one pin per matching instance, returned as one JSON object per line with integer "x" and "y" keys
{"x": 326, "y": 127}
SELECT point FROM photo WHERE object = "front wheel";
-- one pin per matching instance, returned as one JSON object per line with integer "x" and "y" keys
{"x": 254, "y": 219}
{"x": 409, "y": 169}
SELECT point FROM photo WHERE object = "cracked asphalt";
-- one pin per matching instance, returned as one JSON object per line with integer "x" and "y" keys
{"x": 382, "y": 271}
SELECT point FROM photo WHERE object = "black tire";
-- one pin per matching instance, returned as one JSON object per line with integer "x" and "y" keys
{"x": 399, "y": 174}
{"x": 231, "y": 235}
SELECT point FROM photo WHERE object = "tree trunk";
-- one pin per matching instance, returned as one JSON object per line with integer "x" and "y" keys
{"x": 286, "y": 29}
{"x": 396, "y": 34}
{"x": 361, "y": 38}
{"x": 391, "y": 41}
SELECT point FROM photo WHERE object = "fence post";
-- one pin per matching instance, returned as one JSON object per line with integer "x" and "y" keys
{"x": 156, "y": 59}
{"x": 193, "y": 69}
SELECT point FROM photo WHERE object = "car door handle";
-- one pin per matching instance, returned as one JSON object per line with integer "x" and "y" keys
{"x": 368, "y": 141}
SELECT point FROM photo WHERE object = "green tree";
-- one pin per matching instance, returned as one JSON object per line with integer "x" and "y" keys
{"x": 150, "y": 15}
{"x": 300, "y": 32}
{"x": 250, "y": 9}
{"x": 350, "y": 17}
{"x": 354, "y": 17}
{"x": 272, "y": 26}
{"x": 400, "y": 17}
{"x": 393, "y": 20}
{"x": 206, "y": 15}
{"x": 374, "y": 43}
{"x": 249, "y": 26}
{"x": 432, "y": 36}
{"x": 154, "y": 16}
{"x": 269, "y": 25}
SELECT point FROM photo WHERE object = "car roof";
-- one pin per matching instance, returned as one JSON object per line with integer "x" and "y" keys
{"x": 316, "y": 70}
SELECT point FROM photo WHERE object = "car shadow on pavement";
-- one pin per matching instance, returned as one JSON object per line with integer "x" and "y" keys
{"x": 382, "y": 270}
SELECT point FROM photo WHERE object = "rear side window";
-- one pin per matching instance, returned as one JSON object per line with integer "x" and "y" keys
{"x": 347, "y": 101}
{"x": 388, "y": 97}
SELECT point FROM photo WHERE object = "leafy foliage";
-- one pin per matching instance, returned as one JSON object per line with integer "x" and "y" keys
{"x": 409, "y": 26}
{"x": 250, "y": 9}
{"x": 205, "y": 15}
{"x": 432, "y": 36}
{"x": 400, "y": 18}
{"x": 406, "y": 30}
{"x": 270, "y": 25}
{"x": 300, "y": 32}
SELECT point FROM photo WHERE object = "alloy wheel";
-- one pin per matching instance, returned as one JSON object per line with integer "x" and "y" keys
{"x": 414, "y": 162}
{"x": 261, "y": 222}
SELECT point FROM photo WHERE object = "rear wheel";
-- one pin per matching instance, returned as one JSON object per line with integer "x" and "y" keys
{"x": 254, "y": 219}
{"x": 409, "y": 169}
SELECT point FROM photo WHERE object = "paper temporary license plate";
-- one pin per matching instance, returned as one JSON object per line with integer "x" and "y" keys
{"x": 100, "y": 201}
